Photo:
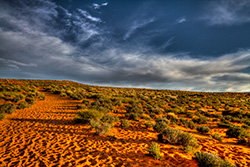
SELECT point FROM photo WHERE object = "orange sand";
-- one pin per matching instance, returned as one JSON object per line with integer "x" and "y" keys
{"x": 45, "y": 135}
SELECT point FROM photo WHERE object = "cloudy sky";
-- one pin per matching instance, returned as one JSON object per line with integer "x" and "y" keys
{"x": 197, "y": 45}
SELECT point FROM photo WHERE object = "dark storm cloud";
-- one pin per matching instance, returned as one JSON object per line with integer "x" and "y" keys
{"x": 42, "y": 39}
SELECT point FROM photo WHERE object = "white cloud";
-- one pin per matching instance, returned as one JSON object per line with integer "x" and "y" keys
{"x": 88, "y": 16}
{"x": 227, "y": 12}
{"x": 136, "y": 25}
{"x": 181, "y": 20}
{"x": 97, "y": 6}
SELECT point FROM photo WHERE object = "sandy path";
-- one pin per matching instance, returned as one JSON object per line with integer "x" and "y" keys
{"x": 45, "y": 135}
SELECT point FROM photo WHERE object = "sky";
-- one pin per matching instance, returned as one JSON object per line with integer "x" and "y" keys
{"x": 193, "y": 45}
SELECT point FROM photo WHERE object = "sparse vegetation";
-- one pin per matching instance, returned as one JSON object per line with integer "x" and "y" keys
{"x": 154, "y": 150}
{"x": 125, "y": 123}
{"x": 203, "y": 129}
{"x": 211, "y": 160}
{"x": 165, "y": 111}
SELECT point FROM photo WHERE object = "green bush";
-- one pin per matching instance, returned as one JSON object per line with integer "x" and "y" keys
{"x": 80, "y": 106}
{"x": 8, "y": 108}
{"x": 30, "y": 100}
{"x": 175, "y": 136}
{"x": 18, "y": 98}
{"x": 237, "y": 132}
{"x": 154, "y": 150}
{"x": 2, "y": 116}
{"x": 132, "y": 116}
{"x": 23, "y": 105}
{"x": 161, "y": 124}
{"x": 206, "y": 159}
{"x": 187, "y": 123}
{"x": 86, "y": 116}
{"x": 200, "y": 120}
{"x": 149, "y": 124}
{"x": 224, "y": 124}
{"x": 109, "y": 119}
{"x": 190, "y": 114}
{"x": 217, "y": 137}
{"x": 125, "y": 123}
{"x": 203, "y": 129}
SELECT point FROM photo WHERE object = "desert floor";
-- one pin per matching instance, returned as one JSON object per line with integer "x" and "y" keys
{"x": 46, "y": 135}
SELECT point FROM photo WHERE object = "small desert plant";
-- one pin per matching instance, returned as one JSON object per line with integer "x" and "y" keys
{"x": 30, "y": 100}
{"x": 109, "y": 119}
{"x": 237, "y": 132}
{"x": 8, "y": 108}
{"x": 80, "y": 106}
{"x": 149, "y": 124}
{"x": 22, "y": 105}
{"x": 132, "y": 116}
{"x": 172, "y": 117}
{"x": 217, "y": 137}
{"x": 125, "y": 123}
{"x": 190, "y": 114}
{"x": 175, "y": 136}
{"x": 203, "y": 129}
{"x": 2, "y": 116}
{"x": 154, "y": 150}
{"x": 200, "y": 120}
{"x": 161, "y": 124}
{"x": 86, "y": 116}
{"x": 211, "y": 160}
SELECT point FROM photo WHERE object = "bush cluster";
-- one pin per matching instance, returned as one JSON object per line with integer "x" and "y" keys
{"x": 175, "y": 136}
{"x": 206, "y": 159}
{"x": 203, "y": 129}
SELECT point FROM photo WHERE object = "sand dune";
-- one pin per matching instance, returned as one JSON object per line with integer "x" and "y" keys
{"x": 45, "y": 135}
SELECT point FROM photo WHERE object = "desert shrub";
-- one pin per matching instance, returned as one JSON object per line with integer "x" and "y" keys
{"x": 217, "y": 137}
{"x": 156, "y": 110}
{"x": 86, "y": 116}
{"x": 145, "y": 117}
{"x": 80, "y": 106}
{"x": 190, "y": 114}
{"x": 41, "y": 96}
{"x": 18, "y": 98}
{"x": 237, "y": 132}
{"x": 152, "y": 115}
{"x": 187, "y": 123}
{"x": 211, "y": 160}
{"x": 187, "y": 140}
{"x": 154, "y": 150}
{"x": 125, "y": 123}
{"x": 30, "y": 100}
{"x": 161, "y": 124}
{"x": 172, "y": 117}
{"x": 149, "y": 124}
{"x": 200, "y": 120}
{"x": 2, "y": 116}
{"x": 134, "y": 109}
{"x": 224, "y": 124}
{"x": 23, "y": 105}
{"x": 203, "y": 129}
{"x": 132, "y": 116}
{"x": 109, "y": 119}
{"x": 8, "y": 108}
{"x": 100, "y": 128}
{"x": 86, "y": 102}
{"x": 175, "y": 136}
